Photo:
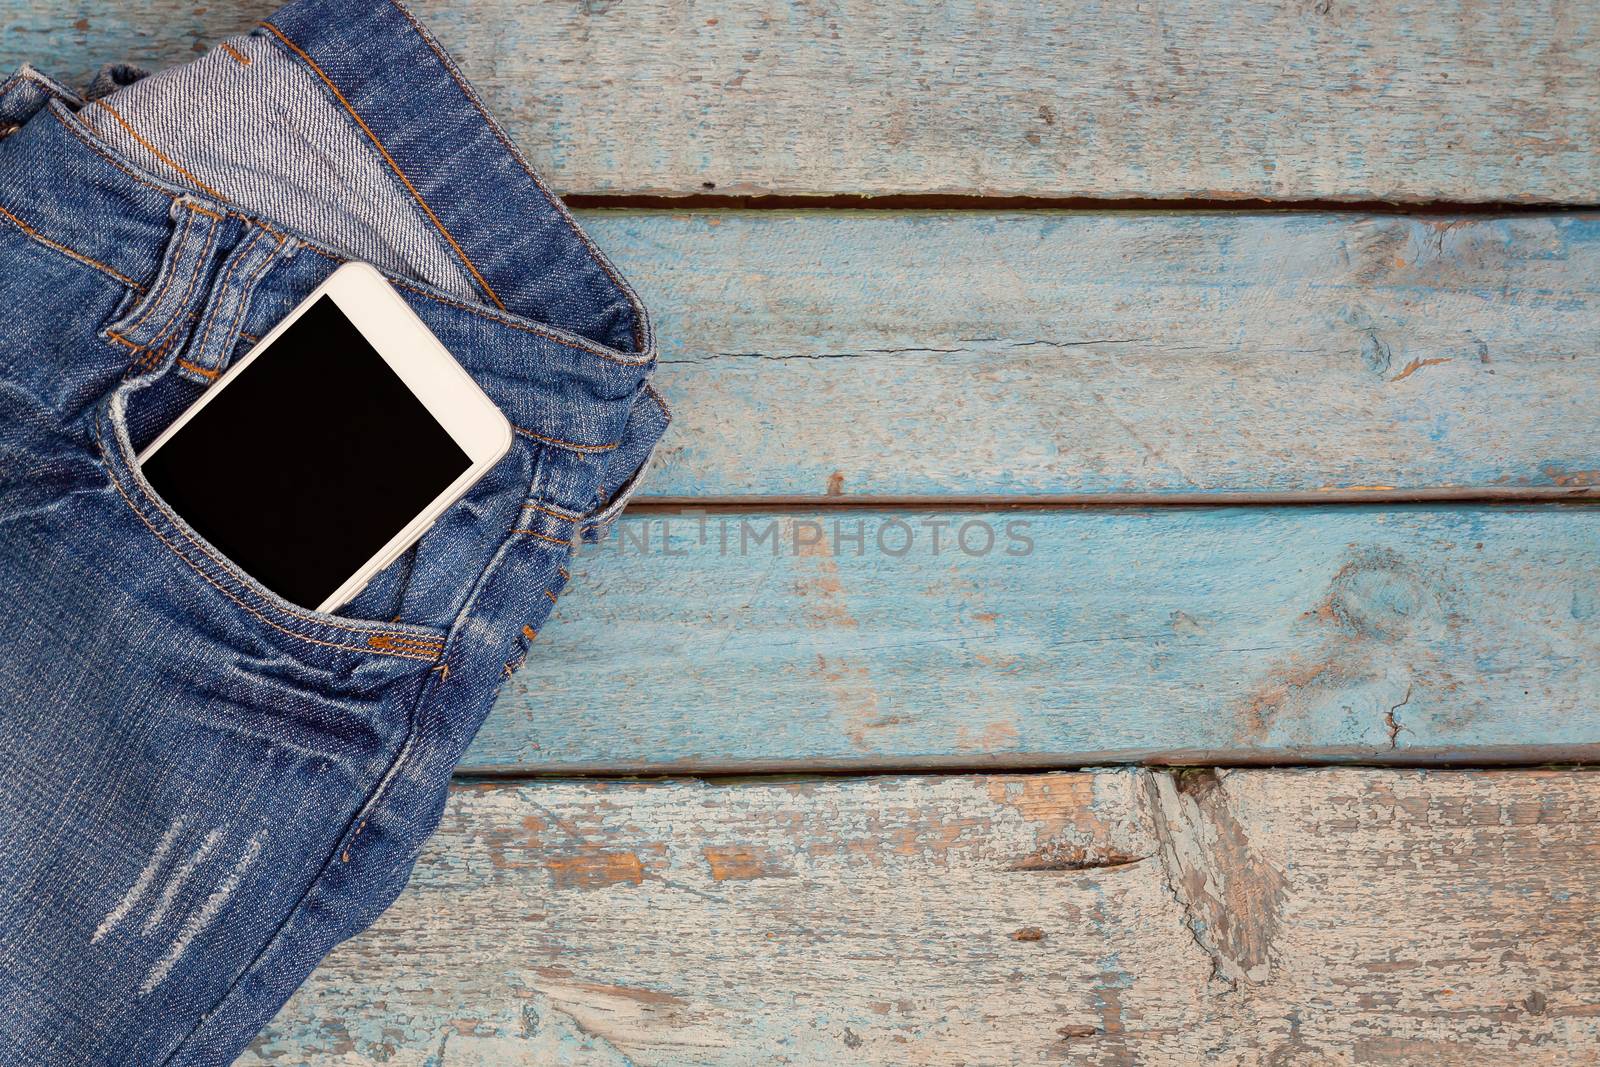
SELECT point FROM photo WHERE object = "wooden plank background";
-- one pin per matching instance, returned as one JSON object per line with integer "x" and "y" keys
{"x": 995, "y": 361}
{"x": 1235, "y": 633}
{"x": 1043, "y": 353}
{"x": 1117, "y": 917}
{"x": 1312, "y": 99}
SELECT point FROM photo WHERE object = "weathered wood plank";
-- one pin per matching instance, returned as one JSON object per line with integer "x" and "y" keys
{"x": 1405, "y": 101}
{"x": 1248, "y": 917}
{"x": 1237, "y": 633}
{"x": 844, "y": 353}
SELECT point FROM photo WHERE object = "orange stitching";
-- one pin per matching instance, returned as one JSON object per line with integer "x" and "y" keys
{"x": 344, "y": 857}
{"x": 465, "y": 259}
{"x": 564, "y": 444}
{"x": 84, "y": 138}
{"x": 64, "y": 250}
{"x": 552, "y": 511}
{"x": 544, "y": 537}
{"x": 173, "y": 341}
{"x": 391, "y": 643}
{"x": 121, "y": 340}
{"x": 204, "y": 372}
{"x": 198, "y": 184}
{"x": 565, "y": 577}
{"x": 152, "y": 355}
{"x": 103, "y": 154}
{"x": 561, "y": 209}
{"x": 145, "y": 358}
{"x": 406, "y": 639}
{"x": 230, "y": 594}
{"x": 529, "y": 632}
{"x": 551, "y": 595}
{"x": 244, "y": 60}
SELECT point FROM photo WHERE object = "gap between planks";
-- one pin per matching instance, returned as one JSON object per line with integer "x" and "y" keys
{"x": 1511, "y": 495}
{"x": 688, "y": 201}
{"x": 732, "y": 772}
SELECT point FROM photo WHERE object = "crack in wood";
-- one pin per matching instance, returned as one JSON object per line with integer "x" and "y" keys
{"x": 1229, "y": 895}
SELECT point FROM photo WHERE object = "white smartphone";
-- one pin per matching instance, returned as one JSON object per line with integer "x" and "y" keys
{"x": 330, "y": 448}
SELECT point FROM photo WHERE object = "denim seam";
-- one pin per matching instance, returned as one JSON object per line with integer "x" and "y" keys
{"x": 34, "y": 235}
{"x": 555, "y": 336}
{"x": 142, "y": 354}
{"x": 546, "y": 538}
{"x": 417, "y": 196}
{"x": 205, "y": 372}
{"x": 570, "y": 445}
{"x": 154, "y": 151}
{"x": 49, "y": 86}
{"x": 661, "y": 401}
{"x": 72, "y": 126}
{"x": 151, "y": 356}
{"x": 371, "y": 647}
{"x": 557, "y": 512}
{"x": 641, "y": 317}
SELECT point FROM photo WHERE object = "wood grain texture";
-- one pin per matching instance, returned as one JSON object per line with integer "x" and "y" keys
{"x": 960, "y": 354}
{"x": 1245, "y": 917}
{"x": 1236, "y": 633}
{"x": 1319, "y": 99}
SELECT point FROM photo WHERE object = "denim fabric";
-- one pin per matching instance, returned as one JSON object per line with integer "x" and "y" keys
{"x": 204, "y": 788}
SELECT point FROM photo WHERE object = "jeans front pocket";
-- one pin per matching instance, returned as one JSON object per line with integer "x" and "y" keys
{"x": 199, "y": 576}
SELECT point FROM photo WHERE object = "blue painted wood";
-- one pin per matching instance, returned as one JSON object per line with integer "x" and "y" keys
{"x": 1407, "y": 100}
{"x": 971, "y": 354}
{"x": 1236, "y": 633}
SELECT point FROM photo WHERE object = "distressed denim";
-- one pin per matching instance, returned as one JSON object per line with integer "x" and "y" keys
{"x": 204, "y": 788}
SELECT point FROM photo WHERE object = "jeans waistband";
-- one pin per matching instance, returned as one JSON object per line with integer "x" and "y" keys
{"x": 526, "y": 302}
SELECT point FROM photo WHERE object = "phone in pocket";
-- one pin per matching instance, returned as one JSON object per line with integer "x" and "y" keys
{"x": 332, "y": 447}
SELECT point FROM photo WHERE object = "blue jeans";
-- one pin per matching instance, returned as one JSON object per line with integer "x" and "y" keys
{"x": 204, "y": 788}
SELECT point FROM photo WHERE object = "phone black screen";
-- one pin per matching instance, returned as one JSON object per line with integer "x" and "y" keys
{"x": 309, "y": 461}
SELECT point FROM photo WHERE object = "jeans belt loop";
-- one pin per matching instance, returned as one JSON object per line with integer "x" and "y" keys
{"x": 162, "y": 316}
{"x": 218, "y": 332}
